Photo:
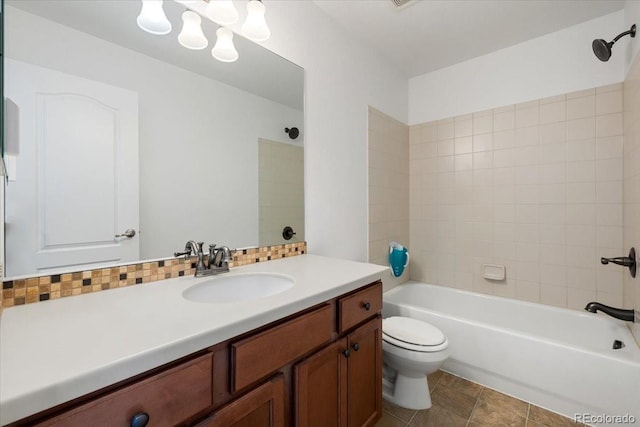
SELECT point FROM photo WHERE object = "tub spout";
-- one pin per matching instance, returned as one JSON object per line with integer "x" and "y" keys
{"x": 618, "y": 313}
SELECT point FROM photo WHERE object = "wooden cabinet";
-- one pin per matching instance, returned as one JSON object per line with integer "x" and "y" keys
{"x": 164, "y": 399}
{"x": 261, "y": 407}
{"x": 341, "y": 384}
{"x": 364, "y": 374}
{"x": 260, "y": 354}
{"x": 318, "y": 367}
{"x": 320, "y": 384}
{"x": 359, "y": 306}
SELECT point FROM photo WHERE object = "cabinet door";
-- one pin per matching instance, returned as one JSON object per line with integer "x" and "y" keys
{"x": 320, "y": 384}
{"x": 261, "y": 407}
{"x": 365, "y": 374}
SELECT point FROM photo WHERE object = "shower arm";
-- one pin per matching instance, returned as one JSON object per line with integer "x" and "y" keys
{"x": 631, "y": 31}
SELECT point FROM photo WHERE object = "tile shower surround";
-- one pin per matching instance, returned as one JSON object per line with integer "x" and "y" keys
{"x": 537, "y": 187}
{"x": 632, "y": 185}
{"x": 42, "y": 288}
{"x": 388, "y": 188}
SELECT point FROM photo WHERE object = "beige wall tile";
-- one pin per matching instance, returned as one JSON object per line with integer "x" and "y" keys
{"x": 609, "y": 102}
{"x": 553, "y": 132}
{"x": 504, "y": 120}
{"x": 463, "y": 127}
{"x": 536, "y": 187}
{"x": 528, "y": 116}
{"x": 553, "y": 112}
{"x": 483, "y": 124}
{"x": 393, "y": 197}
{"x": 581, "y": 128}
{"x": 609, "y": 125}
{"x": 583, "y": 107}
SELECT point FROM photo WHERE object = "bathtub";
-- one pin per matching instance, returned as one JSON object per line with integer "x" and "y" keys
{"x": 555, "y": 358}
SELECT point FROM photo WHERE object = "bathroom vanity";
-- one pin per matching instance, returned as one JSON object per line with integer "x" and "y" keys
{"x": 309, "y": 356}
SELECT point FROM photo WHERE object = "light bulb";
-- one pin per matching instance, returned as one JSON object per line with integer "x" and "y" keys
{"x": 222, "y": 12}
{"x": 191, "y": 35}
{"x": 152, "y": 18}
{"x": 224, "y": 50}
{"x": 255, "y": 27}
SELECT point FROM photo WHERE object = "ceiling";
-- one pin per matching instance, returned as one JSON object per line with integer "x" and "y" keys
{"x": 426, "y": 35}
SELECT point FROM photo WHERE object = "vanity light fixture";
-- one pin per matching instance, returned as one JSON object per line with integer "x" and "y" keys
{"x": 222, "y": 12}
{"x": 255, "y": 27}
{"x": 153, "y": 20}
{"x": 224, "y": 50}
{"x": 191, "y": 35}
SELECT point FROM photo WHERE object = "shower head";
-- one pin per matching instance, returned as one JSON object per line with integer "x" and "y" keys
{"x": 602, "y": 48}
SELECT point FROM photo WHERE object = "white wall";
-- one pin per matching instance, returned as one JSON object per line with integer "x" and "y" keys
{"x": 342, "y": 78}
{"x": 632, "y": 47}
{"x": 553, "y": 64}
{"x": 189, "y": 189}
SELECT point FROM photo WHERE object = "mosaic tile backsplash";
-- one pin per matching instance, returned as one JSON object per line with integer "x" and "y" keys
{"x": 43, "y": 288}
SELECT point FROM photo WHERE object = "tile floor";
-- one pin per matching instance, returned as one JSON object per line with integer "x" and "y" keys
{"x": 458, "y": 402}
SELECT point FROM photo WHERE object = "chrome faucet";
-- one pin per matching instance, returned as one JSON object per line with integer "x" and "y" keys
{"x": 219, "y": 258}
{"x": 217, "y": 262}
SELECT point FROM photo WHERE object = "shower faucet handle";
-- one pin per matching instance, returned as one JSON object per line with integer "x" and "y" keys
{"x": 625, "y": 261}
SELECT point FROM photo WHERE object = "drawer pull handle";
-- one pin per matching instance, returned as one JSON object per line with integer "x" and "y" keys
{"x": 367, "y": 306}
{"x": 346, "y": 352}
{"x": 356, "y": 347}
{"x": 140, "y": 419}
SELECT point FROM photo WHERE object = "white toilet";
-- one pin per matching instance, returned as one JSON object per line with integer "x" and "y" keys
{"x": 411, "y": 350}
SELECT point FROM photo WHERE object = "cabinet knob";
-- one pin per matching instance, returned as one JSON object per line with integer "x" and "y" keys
{"x": 366, "y": 305}
{"x": 140, "y": 419}
{"x": 356, "y": 347}
{"x": 346, "y": 352}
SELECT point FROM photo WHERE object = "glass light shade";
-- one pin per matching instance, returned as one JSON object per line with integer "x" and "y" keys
{"x": 255, "y": 27}
{"x": 224, "y": 50}
{"x": 152, "y": 18}
{"x": 191, "y": 35}
{"x": 222, "y": 12}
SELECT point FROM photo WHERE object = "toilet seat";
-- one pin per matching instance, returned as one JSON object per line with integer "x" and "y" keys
{"x": 412, "y": 334}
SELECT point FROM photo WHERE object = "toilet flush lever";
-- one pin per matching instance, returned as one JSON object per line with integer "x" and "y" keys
{"x": 626, "y": 261}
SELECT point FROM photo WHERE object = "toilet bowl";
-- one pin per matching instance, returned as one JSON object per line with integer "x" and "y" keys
{"x": 412, "y": 349}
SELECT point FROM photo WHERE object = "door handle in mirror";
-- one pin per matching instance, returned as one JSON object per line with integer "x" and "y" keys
{"x": 129, "y": 232}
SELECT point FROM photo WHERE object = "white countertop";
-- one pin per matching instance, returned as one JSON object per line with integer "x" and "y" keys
{"x": 54, "y": 351}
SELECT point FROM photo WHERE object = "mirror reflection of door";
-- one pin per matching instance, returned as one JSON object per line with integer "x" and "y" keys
{"x": 77, "y": 162}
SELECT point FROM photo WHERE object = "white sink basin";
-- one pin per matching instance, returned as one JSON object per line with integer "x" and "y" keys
{"x": 238, "y": 287}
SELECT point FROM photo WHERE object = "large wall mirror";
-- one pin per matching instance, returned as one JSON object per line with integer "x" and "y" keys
{"x": 110, "y": 128}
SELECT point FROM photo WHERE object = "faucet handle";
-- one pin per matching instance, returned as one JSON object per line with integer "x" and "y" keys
{"x": 185, "y": 253}
{"x": 211, "y": 248}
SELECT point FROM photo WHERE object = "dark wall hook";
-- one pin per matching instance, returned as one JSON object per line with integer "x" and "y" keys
{"x": 626, "y": 261}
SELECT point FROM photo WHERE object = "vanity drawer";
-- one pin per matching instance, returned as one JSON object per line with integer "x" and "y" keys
{"x": 358, "y": 307}
{"x": 168, "y": 398}
{"x": 259, "y": 355}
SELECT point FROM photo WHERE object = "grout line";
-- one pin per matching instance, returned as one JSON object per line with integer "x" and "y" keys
{"x": 474, "y": 407}
{"x": 411, "y": 419}
{"x": 397, "y": 418}
{"x": 526, "y": 420}
{"x": 437, "y": 382}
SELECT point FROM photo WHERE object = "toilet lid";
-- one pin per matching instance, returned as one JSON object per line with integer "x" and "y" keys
{"x": 405, "y": 330}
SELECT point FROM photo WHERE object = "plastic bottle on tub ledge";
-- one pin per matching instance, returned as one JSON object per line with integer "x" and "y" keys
{"x": 398, "y": 258}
